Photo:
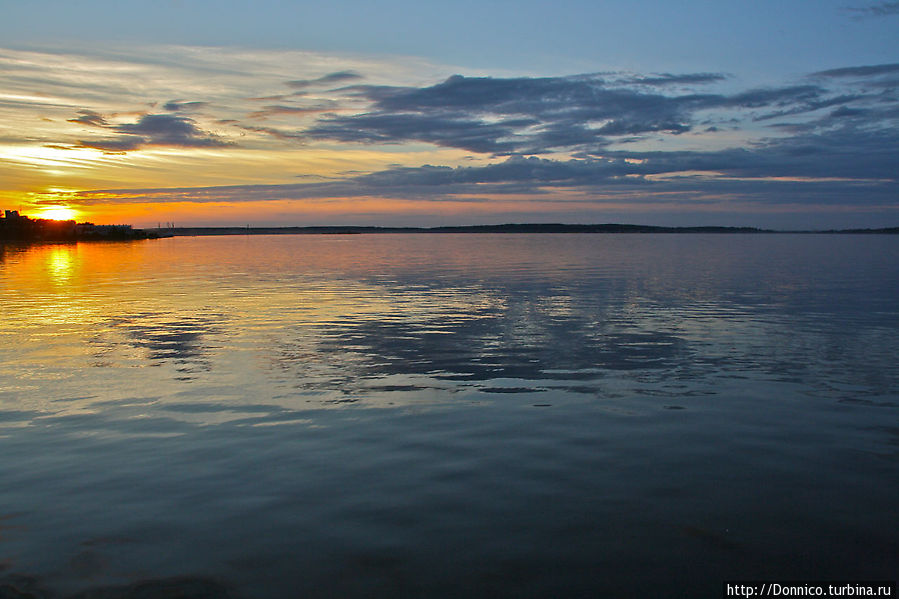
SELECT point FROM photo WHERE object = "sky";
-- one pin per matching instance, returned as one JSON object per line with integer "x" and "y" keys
{"x": 779, "y": 114}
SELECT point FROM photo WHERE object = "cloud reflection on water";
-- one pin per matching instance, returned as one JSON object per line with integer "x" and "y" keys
{"x": 364, "y": 356}
{"x": 277, "y": 326}
{"x": 181, "y": 340}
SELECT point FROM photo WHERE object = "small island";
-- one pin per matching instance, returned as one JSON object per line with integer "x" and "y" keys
{"x": 17, "y": 227}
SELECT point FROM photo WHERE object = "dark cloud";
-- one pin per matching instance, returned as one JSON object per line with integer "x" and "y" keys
{"x": 546, "y": 98}
{"x": 861, "y": 71}
{"x": 177, "y": 105}
{"x": 118, "y": 145}
{"x": 149, "y": 130}
{"x": 851, "y": 150}
{"x": 762, "y": 98}
{"x": 284, "y": 109}
{"x": 517, "y": 171}
{"x": 845, "y": 169}
{"x": 880, "y": 79}
{"x": 273, "y": 109}
{"x": 538, "y": 115}
{"x": 809, "y": 106}
{"x": 838, "y": 145}
{"x": 844, "y": 111}
{"x": 525, "y": 115}
{"x": 846, "y": 160}
{"x": 273, "y": 98}
{"x": 669, "y": 79}
{"x": 169, "y": 130}
{"x": 276, "y": 133}
{"x": 452, "y": 130}
{"x": 329, "y": 79}
{"x": 89, "y": 117}
{"x": 790, "y": 174}
{"x": 878, "y": 9}
{"x": 505, "y": 116}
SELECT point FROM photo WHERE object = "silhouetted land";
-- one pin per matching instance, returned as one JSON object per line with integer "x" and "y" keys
{"x": 16, "y": 227}
{"x": 506, "y": 228}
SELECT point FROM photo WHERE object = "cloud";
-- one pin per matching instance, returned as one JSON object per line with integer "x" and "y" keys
{"x": 845, "y": 156}
{"x": 119, "y": 83}
{"x": 878, "y": 83}
{"x": 276, "y": 109}
{"x": 879, "y": 9}
{"x": 118, "y": 145}
{"x": 849, "y": 164}
{"x": 516, "y": 173}
{"x": 452, "y": 130}
{"x": 861, "y": 71}
{"x": 669, "y": 79}
{"x": 637, "y": 138}
{"x": 177, "y": 105}
{"x": 505, "y": 116}
{"x": 541, "y": 115}
{"x": 89, "y": 117}
{"x": 845, "y": 111}
{"x": 851, "y": 150}
{"x": 329, "y": 79}
{"x": 429, "y": 183}
{"x": 761, "y": 98}
{"x": 150, "y": 130}
{"x": 274, "y": 132}
{"x": 170, "y": 130}
{"x": 583, "y": 115}
{"x": 811, "y": 105}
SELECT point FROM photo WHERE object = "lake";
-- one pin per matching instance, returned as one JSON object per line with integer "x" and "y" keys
{"x": 417, "y": 415}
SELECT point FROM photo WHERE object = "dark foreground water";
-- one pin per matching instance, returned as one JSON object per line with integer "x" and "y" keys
{"x": 447, "y": 415}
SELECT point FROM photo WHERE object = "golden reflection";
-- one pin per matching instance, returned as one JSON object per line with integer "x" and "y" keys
{"x": 60, "y": 263}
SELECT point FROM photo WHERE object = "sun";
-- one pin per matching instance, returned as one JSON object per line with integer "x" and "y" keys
{"x": 58, "y": 213}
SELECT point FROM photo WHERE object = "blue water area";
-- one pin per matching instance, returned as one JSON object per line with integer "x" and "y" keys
{"x": 447, "y": 415}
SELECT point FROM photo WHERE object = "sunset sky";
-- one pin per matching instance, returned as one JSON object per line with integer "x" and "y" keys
{"x": 781, "y": 114}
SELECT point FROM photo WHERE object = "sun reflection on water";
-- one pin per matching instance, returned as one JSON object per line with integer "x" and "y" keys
{"x": 60, "y": 263}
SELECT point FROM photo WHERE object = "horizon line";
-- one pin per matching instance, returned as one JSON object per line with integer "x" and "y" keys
{"x": 543, "y": 227}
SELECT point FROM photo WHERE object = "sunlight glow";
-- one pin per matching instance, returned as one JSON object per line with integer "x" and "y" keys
{"x": 58, "y": 213}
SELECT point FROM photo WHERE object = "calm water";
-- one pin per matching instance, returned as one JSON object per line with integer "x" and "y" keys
{"x": 449, "y": 415}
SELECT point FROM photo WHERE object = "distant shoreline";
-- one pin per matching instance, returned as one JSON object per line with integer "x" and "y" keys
{"x": 505, "y": 228}
{"x": 24, "y": 229}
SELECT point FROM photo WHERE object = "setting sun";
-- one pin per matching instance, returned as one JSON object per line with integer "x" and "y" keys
{"x": 58, "y": 213}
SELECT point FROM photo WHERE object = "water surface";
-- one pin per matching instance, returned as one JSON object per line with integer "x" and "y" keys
{"x": 449, "y": 415}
